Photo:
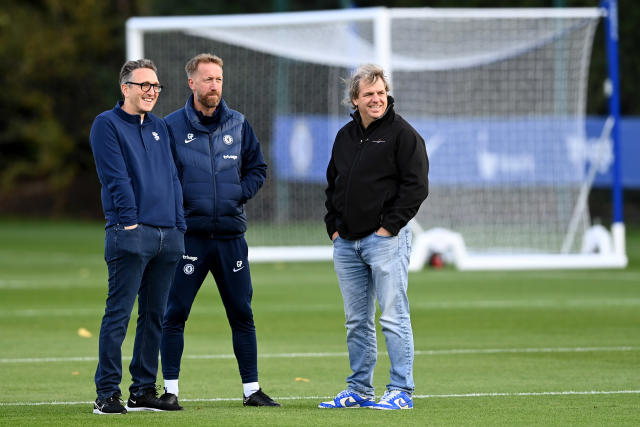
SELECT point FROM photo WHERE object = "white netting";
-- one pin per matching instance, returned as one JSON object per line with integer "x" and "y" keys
{"x": 499, "y": 96}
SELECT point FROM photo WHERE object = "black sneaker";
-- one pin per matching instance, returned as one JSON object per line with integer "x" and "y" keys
{"x": 110, "y": 405}
{"x": 148, "y": 401}
{"x": 259, "y": 399}
{"x": 171, "y": 402}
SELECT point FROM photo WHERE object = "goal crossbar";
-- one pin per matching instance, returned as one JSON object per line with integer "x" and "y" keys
{"x": 498, "y": 94}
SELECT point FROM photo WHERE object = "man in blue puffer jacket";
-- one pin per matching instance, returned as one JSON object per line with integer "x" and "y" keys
{"x": 221, "y": 167}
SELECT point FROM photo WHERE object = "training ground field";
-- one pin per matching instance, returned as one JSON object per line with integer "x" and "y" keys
{"x": 492, "y": 348}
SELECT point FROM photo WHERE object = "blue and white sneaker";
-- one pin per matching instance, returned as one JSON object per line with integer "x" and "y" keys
{"x": 394, "y": 399}
{"x": 348, "y": 399}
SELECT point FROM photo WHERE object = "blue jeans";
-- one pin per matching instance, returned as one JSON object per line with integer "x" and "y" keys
{"x": 141, "y": 262}
{"x": 376, "y": 267}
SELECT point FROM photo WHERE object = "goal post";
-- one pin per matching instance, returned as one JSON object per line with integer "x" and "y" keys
{"x": 498, "y": 94}
{"x": 611, "y": 36}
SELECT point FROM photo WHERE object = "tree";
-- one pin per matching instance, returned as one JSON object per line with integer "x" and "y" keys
{"x": 58, "y": 65}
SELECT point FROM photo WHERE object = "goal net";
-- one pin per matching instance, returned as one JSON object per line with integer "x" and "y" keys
{"x": 499, "y": 96}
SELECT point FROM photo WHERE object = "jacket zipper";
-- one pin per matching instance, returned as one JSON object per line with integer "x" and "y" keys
{"x": 140, "y": 132}
{"x": 353, "y": 167}
{"x": 213, "y": 180}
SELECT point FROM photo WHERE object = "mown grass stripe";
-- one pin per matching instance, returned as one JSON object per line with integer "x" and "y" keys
{"x": 345, "y": 354}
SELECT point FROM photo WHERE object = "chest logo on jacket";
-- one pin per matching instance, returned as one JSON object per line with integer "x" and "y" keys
{"x": 155, "y": 136}
{"x": 228, "y": 139}
{"x": 189, "y": 138}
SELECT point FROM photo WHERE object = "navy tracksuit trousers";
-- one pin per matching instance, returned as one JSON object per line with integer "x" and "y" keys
{"x": 227, "y": 260}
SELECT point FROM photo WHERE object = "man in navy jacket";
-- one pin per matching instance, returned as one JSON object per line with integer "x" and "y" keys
{"x": 221, "y": 167}
{"x": 142, "y": 202}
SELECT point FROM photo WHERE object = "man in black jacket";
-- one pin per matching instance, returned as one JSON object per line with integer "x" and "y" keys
{"x": 377, "y": 178}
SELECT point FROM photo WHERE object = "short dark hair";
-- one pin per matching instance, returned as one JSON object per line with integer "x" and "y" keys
{"x": 130, "y": 66}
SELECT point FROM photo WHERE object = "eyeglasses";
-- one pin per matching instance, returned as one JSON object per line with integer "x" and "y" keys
{"x": 146, "y": 86}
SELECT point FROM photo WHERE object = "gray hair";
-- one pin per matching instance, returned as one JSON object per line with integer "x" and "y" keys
{"x": 369, "y": 73}
{"x": 203, "y": 58}
{"x": 130, "y": 66}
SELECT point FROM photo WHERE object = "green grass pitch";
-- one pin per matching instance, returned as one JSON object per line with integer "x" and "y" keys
{"x": 492, "y": 348}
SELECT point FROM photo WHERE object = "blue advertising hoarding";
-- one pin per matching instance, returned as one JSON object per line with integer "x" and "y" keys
{"x": 475, "y": 152}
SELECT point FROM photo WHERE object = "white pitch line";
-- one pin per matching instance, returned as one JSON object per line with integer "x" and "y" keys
{"x": 524, "y": 350}
{"x": 51, "y": 359}
{"x": 415, "y": 396}
{"x": 529, "y": 304}
{"x": 345, "y": 354}
{"x": 525, "y": 394}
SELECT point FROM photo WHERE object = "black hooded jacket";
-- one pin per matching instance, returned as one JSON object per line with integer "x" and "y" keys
{"x": 377, "y": 177}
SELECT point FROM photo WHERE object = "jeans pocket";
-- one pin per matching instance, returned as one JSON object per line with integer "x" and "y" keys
{"x": 375, "y": 233}
{"x": 129, "y": 241}
{"x": 120, "y": 228}
{"x": 119, "y": 242}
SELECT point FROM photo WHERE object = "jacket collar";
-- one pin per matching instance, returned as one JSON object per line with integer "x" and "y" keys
{"x": 222, "y": 111}
{"x": 131, "y": 118}
{"x": 389, "y": 113}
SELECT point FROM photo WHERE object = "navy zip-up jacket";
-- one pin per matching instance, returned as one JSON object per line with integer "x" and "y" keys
{"x": 220, "y": 166}
{"x": 134, "y": 163}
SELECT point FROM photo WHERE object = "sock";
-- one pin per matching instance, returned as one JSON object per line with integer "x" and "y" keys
{"x": 171, "y": 386}
{"x": 250, "y": 388}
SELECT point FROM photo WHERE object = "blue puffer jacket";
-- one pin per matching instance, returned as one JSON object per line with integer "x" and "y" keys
{"x": 219, "y": 170}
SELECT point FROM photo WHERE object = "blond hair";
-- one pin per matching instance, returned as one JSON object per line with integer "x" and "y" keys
{"x": 369, "y": 73}
{"x": 203, "y": 58}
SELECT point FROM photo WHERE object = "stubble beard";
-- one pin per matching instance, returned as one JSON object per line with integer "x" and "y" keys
{"x": 210, "y": 100}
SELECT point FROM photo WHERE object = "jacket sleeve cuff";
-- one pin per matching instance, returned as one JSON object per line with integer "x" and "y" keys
{"x": 127, "y": 222}
{"x": 330, "y": 230}
{"x": 391, "y": 228}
